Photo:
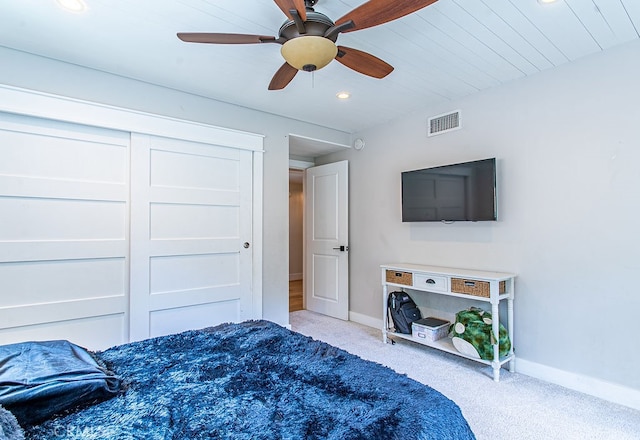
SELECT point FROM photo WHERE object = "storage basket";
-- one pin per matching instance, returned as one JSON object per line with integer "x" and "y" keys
{"x": 474, "y": 287}
{"x": 398, "y": 277}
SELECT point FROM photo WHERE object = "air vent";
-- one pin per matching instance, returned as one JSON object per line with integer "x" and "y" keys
{"x": 444, "y": 123}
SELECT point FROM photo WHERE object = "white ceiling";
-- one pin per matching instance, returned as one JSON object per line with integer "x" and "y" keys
{"x": 443, "y": 52}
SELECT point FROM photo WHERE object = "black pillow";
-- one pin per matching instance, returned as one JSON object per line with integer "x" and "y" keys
{"x": 40, "y": 379}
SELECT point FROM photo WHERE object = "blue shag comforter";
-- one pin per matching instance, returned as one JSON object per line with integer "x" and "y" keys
{"x": 255, "y": 380}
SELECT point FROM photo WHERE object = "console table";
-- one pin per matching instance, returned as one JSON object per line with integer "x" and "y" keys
{"x": 489, "y": 287}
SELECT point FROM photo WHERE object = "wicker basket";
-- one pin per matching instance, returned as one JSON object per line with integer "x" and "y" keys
{"x": 474, "y": 287}
{"x": 397, "y": 277}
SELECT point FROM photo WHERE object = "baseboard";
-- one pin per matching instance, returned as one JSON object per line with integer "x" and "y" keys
{"x": 295, "y": 276}
{"x": 588, "y": 385}
{"x": 584, "y": 384}
{"x": 365, "y": 320}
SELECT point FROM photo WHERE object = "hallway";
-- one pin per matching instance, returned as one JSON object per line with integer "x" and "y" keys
{"x": 295, "y": 296}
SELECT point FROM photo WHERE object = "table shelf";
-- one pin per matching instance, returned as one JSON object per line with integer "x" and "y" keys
{"x": 484, "y": 286}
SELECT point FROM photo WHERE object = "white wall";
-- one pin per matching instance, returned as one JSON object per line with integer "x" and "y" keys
{"x": 567, "y": 146}
{"x": 36, "y": 73}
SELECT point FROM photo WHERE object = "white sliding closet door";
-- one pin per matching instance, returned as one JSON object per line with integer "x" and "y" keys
{"x": 108, "y": 235}
{"x": 64, "y": 232}
{"x": 191, "y": 248}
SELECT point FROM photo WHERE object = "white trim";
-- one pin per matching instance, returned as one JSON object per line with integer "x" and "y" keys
{"x": 300, "y": 164}
{"x": 366, "y": 320}
{"x": 588, "y": 385}
{"x": 258, "y": 233}
{"x": 43, "y": 105}
{"x": 307, "y": 138}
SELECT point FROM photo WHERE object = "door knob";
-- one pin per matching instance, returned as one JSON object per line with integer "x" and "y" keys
{"x": 342, "y": 248}
{"x": 246, "y": 245}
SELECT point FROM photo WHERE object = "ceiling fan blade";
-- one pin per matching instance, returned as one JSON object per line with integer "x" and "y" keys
{"x": 195, "y": 37}
{"x": 363, "y": 62}
{"x": 287, "y": 5}
{"x": 283, "y": 77}
{"x": 375, "y": 12}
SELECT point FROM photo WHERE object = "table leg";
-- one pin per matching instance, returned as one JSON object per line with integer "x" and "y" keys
{"x": 495, "y": 328}
{"x": 512, "y": 362}
{"x": 385, "y": 314}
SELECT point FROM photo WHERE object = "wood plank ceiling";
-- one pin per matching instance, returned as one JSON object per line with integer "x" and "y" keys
{"x": 446, "y": 51}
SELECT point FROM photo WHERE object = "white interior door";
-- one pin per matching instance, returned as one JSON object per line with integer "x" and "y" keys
{"x": 327, "y": 239}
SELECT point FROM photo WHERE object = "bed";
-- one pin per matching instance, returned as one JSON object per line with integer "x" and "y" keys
{"x": 250, "y": 380}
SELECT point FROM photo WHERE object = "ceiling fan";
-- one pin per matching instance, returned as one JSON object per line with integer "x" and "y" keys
{"x": 308, "y": 37}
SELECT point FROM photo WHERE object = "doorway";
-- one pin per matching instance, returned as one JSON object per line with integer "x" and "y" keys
{"x": 296, "y": 239}
{"x": 303, "y": 152}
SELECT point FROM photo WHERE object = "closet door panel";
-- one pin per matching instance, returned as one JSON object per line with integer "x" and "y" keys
{"x": 171, "y": 221}
{"x": 64, "y": 201}
{"x": 191, "y": 215}
{"x": 171, "y": 320}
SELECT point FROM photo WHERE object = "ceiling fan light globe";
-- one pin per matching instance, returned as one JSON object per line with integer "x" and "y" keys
{"x": 307, "y": 51}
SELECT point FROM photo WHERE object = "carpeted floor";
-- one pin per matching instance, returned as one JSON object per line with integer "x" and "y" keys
{"x": 517, "y": 408}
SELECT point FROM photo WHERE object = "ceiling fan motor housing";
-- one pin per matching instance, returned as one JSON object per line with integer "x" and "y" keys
{"x": 316, "y": 25}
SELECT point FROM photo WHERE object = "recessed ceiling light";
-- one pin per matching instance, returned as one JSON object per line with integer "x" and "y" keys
{"x": 73, "y": 5}
{"x": 343, "y": 95}
{"x": 546, "y": 2}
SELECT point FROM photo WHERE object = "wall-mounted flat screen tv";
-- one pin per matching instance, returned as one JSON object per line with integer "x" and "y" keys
{"x": 458, "y": 192}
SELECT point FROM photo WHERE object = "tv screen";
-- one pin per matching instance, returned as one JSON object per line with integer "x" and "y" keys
{"x": 459, "y": 192}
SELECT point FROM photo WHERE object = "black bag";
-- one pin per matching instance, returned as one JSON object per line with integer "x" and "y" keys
{"x": 403, "y": 311}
